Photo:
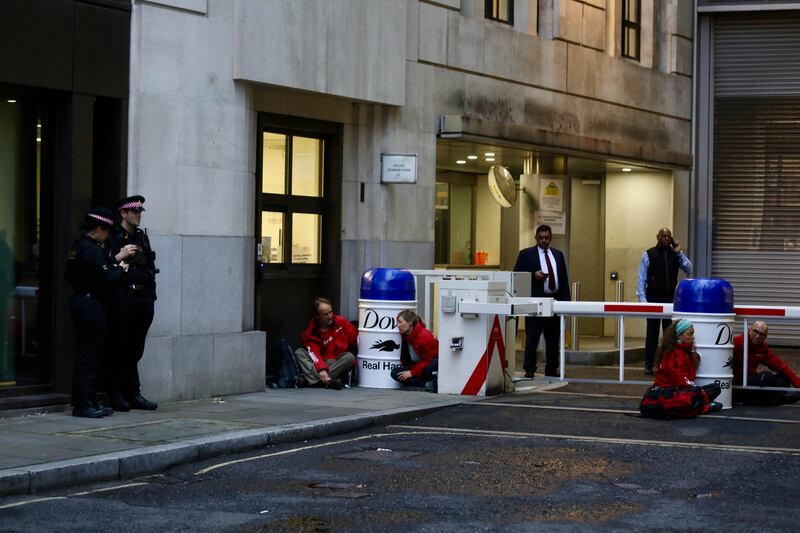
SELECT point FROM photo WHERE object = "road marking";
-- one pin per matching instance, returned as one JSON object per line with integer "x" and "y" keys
{"x": 588, "y": 394}
{"x": 108, "y": 489}
{"x": 334, "y": 443}
{"x": 627, "y": 412}
{"x": 35, "y": 500}
{"x": 611, "y": 440}
{"x": 558, "y": 407}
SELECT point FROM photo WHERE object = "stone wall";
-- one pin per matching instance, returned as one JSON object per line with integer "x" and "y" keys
{"x": 386, "y": 70}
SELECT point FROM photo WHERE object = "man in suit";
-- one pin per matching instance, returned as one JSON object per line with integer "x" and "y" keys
{"x": 550, "y": 280}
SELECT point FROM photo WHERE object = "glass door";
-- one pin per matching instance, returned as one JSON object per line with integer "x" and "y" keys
{"x": 24, "y": 134}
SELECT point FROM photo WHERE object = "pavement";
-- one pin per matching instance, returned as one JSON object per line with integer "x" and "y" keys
{"x": 42, "y": 450}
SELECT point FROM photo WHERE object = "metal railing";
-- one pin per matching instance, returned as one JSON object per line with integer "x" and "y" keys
{"x": 648, "y": 310}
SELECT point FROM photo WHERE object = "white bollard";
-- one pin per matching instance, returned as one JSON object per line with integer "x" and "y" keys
{"x": 384, "y": 293}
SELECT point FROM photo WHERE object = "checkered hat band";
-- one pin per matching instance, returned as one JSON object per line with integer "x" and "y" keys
{"x": 102, "y": 219}
{"x": 131, "y": 205}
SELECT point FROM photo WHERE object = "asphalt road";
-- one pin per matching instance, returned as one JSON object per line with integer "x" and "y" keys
{"x": 569, "y": 460}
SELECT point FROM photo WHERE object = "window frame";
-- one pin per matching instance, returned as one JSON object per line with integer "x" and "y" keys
{"x": 289, "y": 204}
{"x": 635, "y": 26}
{"x": 489, "y": 12}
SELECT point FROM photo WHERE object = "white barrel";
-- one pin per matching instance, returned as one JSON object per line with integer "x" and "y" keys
{"x": 713, "y": 340}
{"x": 379, "y": 341}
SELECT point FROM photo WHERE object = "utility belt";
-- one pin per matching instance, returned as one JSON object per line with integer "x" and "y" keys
{"x": 136, "y": 286}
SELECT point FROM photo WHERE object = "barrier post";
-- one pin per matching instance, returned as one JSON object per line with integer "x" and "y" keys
{"x": 708, "y": 303}
{"x": 620, "y": 298}
{"x": 384, "y": 293}
{"x": 576, "y": 297}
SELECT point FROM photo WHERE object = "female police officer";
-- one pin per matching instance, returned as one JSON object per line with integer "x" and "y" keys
{"x": 92, "y": 272}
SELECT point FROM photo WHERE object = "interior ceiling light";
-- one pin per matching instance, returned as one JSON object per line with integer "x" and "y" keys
{"x": 489, "y": 154}
{"x": 461, "y": 162}
{"x": 11, "y": 101}
{"x": 472, "y": 157}
{"x": 626, "y": 169}
{"x": 490, "y": 159}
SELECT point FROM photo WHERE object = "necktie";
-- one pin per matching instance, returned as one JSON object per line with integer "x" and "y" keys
{"x": 551, "y": 279}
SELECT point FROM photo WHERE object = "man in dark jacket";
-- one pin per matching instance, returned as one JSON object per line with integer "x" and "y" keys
{"x": 658, "y": 277}
{"x": 550, "y": 280}
{"x": 328, "y": 341}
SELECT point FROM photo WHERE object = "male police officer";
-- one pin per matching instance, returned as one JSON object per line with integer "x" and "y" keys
{"x": 131, "y": 312}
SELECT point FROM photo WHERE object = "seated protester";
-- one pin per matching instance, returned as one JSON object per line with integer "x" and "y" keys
{"x": 673, "y": 393}
{"x": 327, "y": 353}
{"x": 758, "y": 353}
{"x": 419, "y": 353}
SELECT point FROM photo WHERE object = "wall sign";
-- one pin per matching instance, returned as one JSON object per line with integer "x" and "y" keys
{"x": 398, "y": 168}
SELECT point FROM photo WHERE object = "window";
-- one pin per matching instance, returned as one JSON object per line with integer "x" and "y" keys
{"x": 500, "y": 10}
{"x": 631, "y": 28}
{"x": 292, "y": 199}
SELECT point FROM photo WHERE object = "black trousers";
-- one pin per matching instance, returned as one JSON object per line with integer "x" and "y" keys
{"x": 766, "y": 397}
{"x": 651, "y": 343}
{"x": 534, "y": 327}
{"x": 427, "y": 375}
{"x": 129, "y": 321}
{"x": 89, "y": 317}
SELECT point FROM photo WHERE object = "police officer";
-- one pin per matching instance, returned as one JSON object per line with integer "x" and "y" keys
{"x": 93, "y": 272}
{"x": 132, "y": 309}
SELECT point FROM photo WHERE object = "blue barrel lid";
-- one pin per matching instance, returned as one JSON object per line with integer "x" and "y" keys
{"x": 388, "y": 284}
{"x": 703, "y": 295}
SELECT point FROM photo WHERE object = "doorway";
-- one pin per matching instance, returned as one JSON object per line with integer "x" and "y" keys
{"x": 297, "y": 222}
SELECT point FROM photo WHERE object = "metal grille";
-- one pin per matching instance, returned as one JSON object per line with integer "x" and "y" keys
{"x": 756, "y": 242}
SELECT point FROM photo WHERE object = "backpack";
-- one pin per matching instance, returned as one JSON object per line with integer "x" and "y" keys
{"x": 283, "y": 371}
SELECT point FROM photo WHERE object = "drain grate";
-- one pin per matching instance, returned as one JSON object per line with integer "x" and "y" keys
{"x": 340, "y": 490}
{"x": 377, "y": 455}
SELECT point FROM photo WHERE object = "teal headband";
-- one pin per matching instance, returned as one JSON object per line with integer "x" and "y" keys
{"x": 682, "y": 326}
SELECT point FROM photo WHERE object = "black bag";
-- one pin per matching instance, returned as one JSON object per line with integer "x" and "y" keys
{"x": 289, "y": 372}
{"x": 283, "y": 371}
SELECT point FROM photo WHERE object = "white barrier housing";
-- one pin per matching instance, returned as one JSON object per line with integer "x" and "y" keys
{"x": 472, "y": 349}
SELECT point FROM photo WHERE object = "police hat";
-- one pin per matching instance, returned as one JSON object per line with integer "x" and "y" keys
{"x": 97, "y": 217}
{"x": 131, "y": 202}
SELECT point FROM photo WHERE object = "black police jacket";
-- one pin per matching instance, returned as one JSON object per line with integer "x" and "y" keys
{"x": 141, "y": 278}
{"x": 91, "y": 269}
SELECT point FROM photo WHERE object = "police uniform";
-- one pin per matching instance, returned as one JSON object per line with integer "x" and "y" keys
{"x": 92, "y": 273}
{"x": 131, "y": 315}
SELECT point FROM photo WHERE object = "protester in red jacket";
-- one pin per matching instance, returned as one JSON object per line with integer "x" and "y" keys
{"x": 328, "y": 343}
{"x": 674, "y": 393}
{"x": 758, "y": 353}
{"x": 419, "y": 353}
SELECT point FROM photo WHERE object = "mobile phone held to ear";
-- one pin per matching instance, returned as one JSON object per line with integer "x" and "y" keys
{"x": 673, "y": 243}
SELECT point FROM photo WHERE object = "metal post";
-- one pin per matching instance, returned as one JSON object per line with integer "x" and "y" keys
{"x": 744, "y": 362}
{"x": 576, "y": 297}
{"x": 562, "y": 355}
{"x": 621, "y": 337}
{"x": 620, "y": 298}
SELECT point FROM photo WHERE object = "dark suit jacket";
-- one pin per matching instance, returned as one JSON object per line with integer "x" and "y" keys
{"x": 528, "y": 261}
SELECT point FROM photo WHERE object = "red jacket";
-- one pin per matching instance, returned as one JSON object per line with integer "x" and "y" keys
{"x": 336, "y": 340}
{"x": 758, "y": 355}
{"x": 425, "y": 345}
{"x": 677, "y": 368}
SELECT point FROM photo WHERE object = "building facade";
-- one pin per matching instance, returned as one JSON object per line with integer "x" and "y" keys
{"x": 257, "y": 132}
{"x": 747, "y": 183}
